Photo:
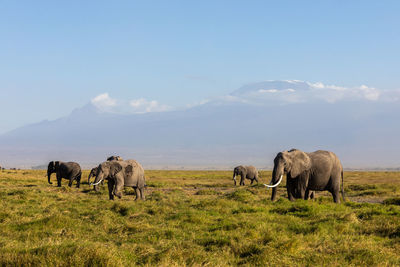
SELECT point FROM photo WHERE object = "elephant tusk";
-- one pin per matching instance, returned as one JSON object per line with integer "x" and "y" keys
{"x": 96, "y": 183}
{"x": 275, "y": 185}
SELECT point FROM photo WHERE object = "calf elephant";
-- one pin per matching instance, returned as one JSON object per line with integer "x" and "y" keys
{"x": 248, "y": 172}
{"x": 127, "y": 173}
{"x": 306, "y": 172}
{"x": 68, "y": 170}
{"x": 93, "y": 171}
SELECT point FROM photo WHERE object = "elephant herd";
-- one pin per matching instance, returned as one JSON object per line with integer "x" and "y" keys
{"x": 305, "y": 172}
{"x": 118, "y": 172}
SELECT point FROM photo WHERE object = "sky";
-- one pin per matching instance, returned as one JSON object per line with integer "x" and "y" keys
{"x": 56, "y": 56}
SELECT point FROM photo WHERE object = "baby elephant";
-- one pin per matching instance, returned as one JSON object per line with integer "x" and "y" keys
{"x": 249, "y": 172}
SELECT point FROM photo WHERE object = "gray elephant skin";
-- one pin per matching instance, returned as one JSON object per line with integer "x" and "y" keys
{"x": 117, "y": 158}
{"x": 67, "y": 170}
{"x": 248, "y": 172}
{"x": 127, "y": 173}
{"x": 306, "y": 172}
{"x": 93, "y": 172}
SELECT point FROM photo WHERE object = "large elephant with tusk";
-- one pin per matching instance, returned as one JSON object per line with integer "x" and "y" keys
{"x": 307, "y": 172}
{"x": 93, "y": 171}
{"x": 127, "y": 173}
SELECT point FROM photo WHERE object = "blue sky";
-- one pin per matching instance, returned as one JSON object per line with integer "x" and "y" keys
{"x": 55, "y": 57}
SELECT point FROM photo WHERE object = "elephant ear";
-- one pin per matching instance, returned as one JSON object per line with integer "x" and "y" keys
{"x": 128, "y": 171}
{"x": 115, "y": 168}
{"x": 300, "y": 162}
{"x": 94, "y": 171}
{"x": 56, "y": 164}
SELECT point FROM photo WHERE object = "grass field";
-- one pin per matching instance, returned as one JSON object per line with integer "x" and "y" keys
{"x": 198, "y": 218}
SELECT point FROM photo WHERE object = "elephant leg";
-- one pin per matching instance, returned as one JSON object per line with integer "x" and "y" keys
{"x": 58, "y": 180}
{"x": 110, "y": 189}
{"x": 234, "y": 180}
{"x": 302, "y": 193}
{"x": 290, "y": 189}
{"x": 70, "y": 182}
{"x": 336, "y": 196}
{"x": 118, "y": 189}
{"x": 312, "y": 195}
{"x": 307, "y": 194}
{"x": 78, "y": 181}
{"x": 137, "y": 193}
{"x": 335, "y": 190}
{"x": 142, "y": 194}
{"x": 252, "y": 181}
{"x": 242, "y": 179}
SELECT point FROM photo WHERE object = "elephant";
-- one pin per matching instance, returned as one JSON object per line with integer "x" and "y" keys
{"x": 249, "y": 172}
{"x": 93, "y": 171}
{"x": 127, "y": 173}
{"x": 68, "y": 170}
{"x": 307, "y": 172}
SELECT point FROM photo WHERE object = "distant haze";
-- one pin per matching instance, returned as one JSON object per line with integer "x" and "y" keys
{"x": 249, "y": 126}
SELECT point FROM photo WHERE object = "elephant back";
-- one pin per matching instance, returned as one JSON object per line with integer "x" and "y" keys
{"x": 134, "y": 173}
{"x": 251, "y": 172}
{"x": 251, "y": 168}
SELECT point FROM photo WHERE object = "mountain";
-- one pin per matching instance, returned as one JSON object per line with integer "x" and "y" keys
{"x": 249, "y": 126}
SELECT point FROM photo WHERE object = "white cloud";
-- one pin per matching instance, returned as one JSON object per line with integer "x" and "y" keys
{"x": 333, "y": 93}
{"x": 317, "y": 85}
{"x": 200, "y": 103}
{"x": 369, "y": 92}
{"x": 104, "y": 100}
{"x": 275, "y": 90}
{"x": 104, "y": 103}
{"x": 294, "y": 91}
{"x": 268, "y": 91}
{"x": 294, "y": 81}
{"x": 142, "y": 105}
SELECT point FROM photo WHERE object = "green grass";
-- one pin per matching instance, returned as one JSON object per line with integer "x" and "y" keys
{"x": 193, "y": 218}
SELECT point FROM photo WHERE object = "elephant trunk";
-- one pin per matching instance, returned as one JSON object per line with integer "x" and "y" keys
{"x": 98, "y": 180}
{"x": 90, "y": 176}
{"x": 275, "y": 182}
{"x": 48, "y": 177}
{"x": 234, "y": 177}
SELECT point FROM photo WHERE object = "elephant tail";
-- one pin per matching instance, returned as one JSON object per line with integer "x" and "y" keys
{"x": 343, "y": 187}
{"x": 144, "y": 178}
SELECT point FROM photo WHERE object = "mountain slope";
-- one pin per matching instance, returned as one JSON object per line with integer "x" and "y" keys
{"x": 246, "y": 127}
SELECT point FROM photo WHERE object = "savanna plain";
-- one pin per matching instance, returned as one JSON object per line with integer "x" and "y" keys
{"x": 193, "y": 218}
